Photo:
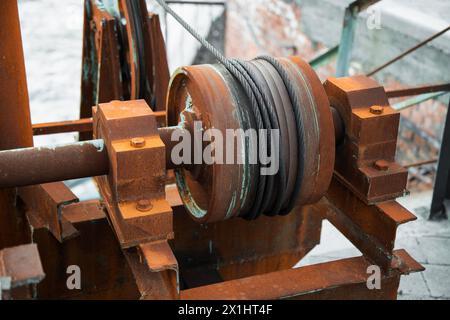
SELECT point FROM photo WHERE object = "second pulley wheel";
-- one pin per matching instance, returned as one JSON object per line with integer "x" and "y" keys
{"x": 209, "y": 97}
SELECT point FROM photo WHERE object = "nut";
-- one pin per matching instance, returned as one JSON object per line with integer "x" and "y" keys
{"x": 137, "y": 142}
{"x": 381, "y": 165}
{"x": 376, "y": 109}
{"x": 144, "y": 205}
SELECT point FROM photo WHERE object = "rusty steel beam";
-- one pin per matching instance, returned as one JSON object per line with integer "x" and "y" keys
{"x": 19, "y": 267}
{"x": 30, "y": 166}
{"x": 95, "y": 245}
{"x": 342, "y": 279}
{"x": 82, "y": 125}
{"x": 15, "y": 121}
{"x": 414, "y": 91}
{"x": 46, "y": 202}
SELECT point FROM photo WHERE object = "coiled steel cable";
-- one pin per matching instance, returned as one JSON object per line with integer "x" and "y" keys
{"x": 265, "y": 115}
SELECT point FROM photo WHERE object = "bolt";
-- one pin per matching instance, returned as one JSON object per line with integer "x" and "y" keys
{"x": 137, "y": 142}
{"x": 144, "y": 205}
{"x": 376, "y": 109}
{"x": 381, "y": 165}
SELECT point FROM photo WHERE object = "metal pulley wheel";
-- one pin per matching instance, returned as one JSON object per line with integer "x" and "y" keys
{"x": 296, "y": 105}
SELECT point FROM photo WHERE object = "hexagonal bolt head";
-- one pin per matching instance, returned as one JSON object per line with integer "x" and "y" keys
{"x": 376, "y": 110}
{"x": 381, "y": 165}
{"x": 137, "y": 142}
{"x": 144, "y": 205}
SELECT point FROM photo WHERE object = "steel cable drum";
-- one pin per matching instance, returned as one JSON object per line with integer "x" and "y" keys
{"x": 211, "y": 95}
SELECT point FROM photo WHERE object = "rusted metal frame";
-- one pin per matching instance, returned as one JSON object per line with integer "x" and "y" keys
{"x": 101, "y": 73}
{"x": 82, "y": 125}
{"x": 214, "y": 252}
{"x": 342, "y": 279}
{"x": 155, "y": 269}
{"x": 137, "y": 173}
{"x": 89, "y": 71}
{"x": 45, "y": 203}
{"x": 418, "y": 90}
{"x": 110, "y": 79}
{"x": 371, "y": 136}
{"x": 348, "y": 34}
{"x": 152, "y": 97}
{"x": 158, "y": 71}
{"x": 19, "y": 267}
{"x": 441, "y": 193}
{"x": 360, "y": 200}
{"x": 371, "y": 228}
{"x": 105, "y": 273}
{"x": 15, "y": 120}
{"x": 403, "y": 54}
{"x": 138, "y": 44}
{"x": 146, "y": 54}
{"x": 134, "y": 192}
{"x": 15, "y": 123}
{"x": 149, "y": 70}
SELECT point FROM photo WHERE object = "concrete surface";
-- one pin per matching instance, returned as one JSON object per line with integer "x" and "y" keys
{"x": 403, "y": 24}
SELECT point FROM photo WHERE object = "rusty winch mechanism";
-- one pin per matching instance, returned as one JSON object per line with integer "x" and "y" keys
{"x": 229, "y": 232}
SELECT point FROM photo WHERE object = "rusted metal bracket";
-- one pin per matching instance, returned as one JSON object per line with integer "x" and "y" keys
{"x": 155, "y": 269}
{"x": 134, "y": 194}
{"x": 19, "y": 267}
{"x": 360, "y": 201}
{"x": 134, "y": 190}
{"x": 45, "y": 204}
{"x": 371, "y": 228}
{"x": 342, "y": 279}
{"x": 365, "y": 160}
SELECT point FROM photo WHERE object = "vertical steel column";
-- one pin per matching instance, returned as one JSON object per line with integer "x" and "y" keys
{"x": 346, "y": 44}
{"x": 15, "y": 121}
{"x": 348, "y": 35}
{"x": 442, "y": 183}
